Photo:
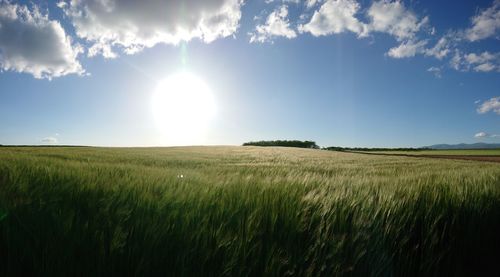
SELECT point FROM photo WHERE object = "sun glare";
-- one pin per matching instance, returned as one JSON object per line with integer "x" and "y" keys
{"x": 183, "y": 106}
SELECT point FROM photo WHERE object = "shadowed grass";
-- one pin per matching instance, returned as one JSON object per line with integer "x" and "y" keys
{"x": 244, "y": 211}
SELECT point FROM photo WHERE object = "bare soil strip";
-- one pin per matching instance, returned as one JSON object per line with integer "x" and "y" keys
{"x": 495, "y": 159}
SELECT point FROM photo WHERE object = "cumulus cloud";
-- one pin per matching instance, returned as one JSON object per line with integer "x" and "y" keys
{"x": 109, "y": 27}
{"x": 334, "y": 17}
{"x": 413, "y": 32}
{"x": 393, "y": 18}
{"x": 134, "y": 25}
{"x": 486, "y": 135}
{"x": 277, "y": 25}
{"x": 385, "y": 16}
{"x": 407, "y": 49}
{"x": 492, "y": 105}
{"x": 390, "y": 17}
{"x": 32, "y": 43}
{"x": 485, "y": 24}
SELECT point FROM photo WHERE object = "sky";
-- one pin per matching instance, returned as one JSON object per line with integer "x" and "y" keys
{"x": 340, "y": 72}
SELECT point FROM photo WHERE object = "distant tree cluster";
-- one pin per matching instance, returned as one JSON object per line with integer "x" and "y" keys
{"x": 365, "y": 149}
{"x": 287, "y": 143}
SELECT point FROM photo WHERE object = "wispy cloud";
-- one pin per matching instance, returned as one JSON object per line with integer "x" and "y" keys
{"x": 50, "y": 140}
{"x": 436, "y": 71}
{"x": 482, "y": 62}
{"x": 485, "y": 135}
{"x": 492, "y": 105}
{"x": 486, "y": 24}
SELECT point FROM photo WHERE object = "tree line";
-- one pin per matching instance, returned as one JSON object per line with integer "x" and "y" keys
{"x": 336, "y": 148}
{"x": 286, "y": 143}
{"x": 313, "y": 145}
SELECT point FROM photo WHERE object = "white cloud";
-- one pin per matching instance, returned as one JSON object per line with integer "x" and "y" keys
{"x": 32, "y": 43}
{"x": 440, "y": 50}
{"x": 277, "y": 25}
{"x": 308, "y": 3}
{"x": 435, "y": 70}
{"x": 481, "y": 135}
{"x": 492, "y": 105}
{"x": 334, "y": 17}
{"x": 456, "y": 61}
{"x": 51, "y": 140}
{"x": 407, "y": 49}
{"x": 474, "y": 58}
{"x": 485, "y": 135}
{"x": 393, "y": 18}
{"x": 413, "y": 47}
{"x": 284, "y": 1}
{"x": 134, "y": 25}
{"x": 385, "y": 16}
{"x": 485, "y": 67}
{"x": 311, "y": 3}
{"x": 483, "y": 62}
{"x": 485, "y": 24}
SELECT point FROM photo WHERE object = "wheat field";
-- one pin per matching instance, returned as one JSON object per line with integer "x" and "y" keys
{"x": 244, "y": 211}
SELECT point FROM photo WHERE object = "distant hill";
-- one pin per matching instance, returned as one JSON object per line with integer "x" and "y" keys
{"x": 479, "y": 145}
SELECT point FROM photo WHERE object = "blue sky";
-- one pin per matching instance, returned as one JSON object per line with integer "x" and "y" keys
{"x": 340, "y": 72}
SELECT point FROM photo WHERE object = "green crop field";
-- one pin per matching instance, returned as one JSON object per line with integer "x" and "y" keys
{"x": 244, "y": 211}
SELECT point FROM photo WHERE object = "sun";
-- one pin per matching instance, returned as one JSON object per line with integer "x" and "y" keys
{"x": 183, "y": 106}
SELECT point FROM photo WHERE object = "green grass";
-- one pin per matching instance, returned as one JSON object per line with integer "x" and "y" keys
{"x": 464, "y": 152}
{"x": 244, "y": 211}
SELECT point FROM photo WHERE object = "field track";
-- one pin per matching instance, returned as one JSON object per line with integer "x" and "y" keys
{"x": 482, "y": 158}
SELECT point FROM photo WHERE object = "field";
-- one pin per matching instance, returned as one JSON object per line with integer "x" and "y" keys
{"x": 465, "y": 152}
{"x": 245, "y": 211}
{"x": 485, "y": 155}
